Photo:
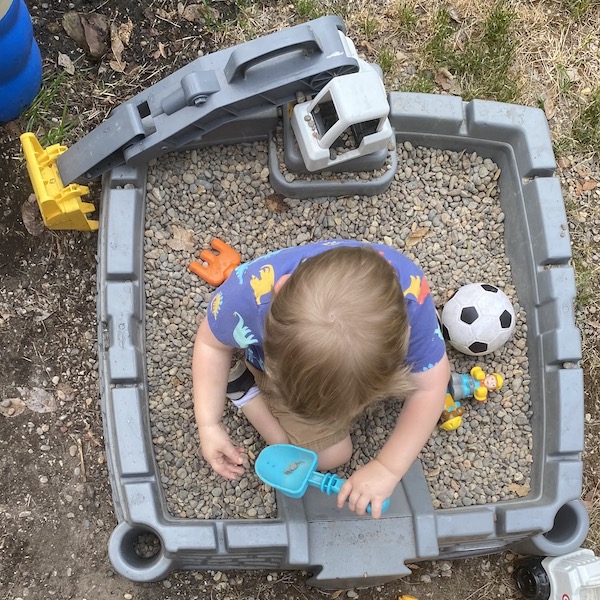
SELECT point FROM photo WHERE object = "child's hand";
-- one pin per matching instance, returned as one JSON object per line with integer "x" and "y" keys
{"x": 220, "y": 453}
{"x": 373, "y": 483}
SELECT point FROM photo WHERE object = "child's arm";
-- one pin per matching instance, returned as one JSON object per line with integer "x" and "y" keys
{"x": 419, "y": 415}
{"x": 210, "y": 370}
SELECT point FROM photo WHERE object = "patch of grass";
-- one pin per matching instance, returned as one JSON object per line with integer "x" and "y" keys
{"x": 386, "y": 60}
{"x": 565, "y": 85}
{"x": 562, "y": 145}
{"x": 58, "y": 133}
{"x": 370, "y": 26}
{"x": 406, "y": 17}
{"x": 586, "y": 281}
{"x": 586, "y": 127}
{"x": 422, "y": 83}
{"x": 482, "y": 63}
{"x": 309, "y": 9}
{"x": 579, "y": 8}
{"x": 229, "y": 14}
{"x": 41, "y": 115}
{"x": 437, "y": 47}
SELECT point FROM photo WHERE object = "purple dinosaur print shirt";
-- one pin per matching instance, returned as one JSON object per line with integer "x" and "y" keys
{"x": 238, "y": 308}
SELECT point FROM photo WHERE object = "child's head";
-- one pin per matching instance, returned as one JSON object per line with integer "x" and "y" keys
{"x": 336, "y": 335}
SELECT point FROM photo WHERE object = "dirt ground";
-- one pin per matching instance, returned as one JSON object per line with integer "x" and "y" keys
{"x": 56, "y": 510}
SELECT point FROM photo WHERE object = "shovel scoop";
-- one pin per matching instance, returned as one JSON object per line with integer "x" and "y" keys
{"x": 291, "y": 469}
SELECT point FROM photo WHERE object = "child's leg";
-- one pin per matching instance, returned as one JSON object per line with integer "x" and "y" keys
{"x": 258, "y": 413}
{"x": 336, "y": 455}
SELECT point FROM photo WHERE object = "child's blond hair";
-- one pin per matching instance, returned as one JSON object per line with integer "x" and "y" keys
{"x": 336, "y": 336}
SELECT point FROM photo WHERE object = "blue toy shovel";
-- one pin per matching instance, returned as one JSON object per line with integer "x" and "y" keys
{"x": 291, "y": 469}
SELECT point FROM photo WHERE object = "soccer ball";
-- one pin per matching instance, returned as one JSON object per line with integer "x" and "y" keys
{"x": 478, "y": 319}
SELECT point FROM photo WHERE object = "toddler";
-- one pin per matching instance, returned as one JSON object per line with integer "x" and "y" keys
{"x": 328, "y": 329}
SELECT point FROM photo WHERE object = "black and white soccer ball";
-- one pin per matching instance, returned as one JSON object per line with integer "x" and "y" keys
{"x": 478, "y": 319}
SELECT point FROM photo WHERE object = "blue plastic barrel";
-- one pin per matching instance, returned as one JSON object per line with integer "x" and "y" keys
{"x": 20, "y": 60}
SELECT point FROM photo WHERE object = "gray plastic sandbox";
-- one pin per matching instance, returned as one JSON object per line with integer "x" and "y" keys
{"x": 337, "y": 547}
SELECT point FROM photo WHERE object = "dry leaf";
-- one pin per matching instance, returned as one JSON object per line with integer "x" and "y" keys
{"x": 71, "y": 23}
{"x": 367, "y": 46}
{"x": 66, "y": 63}
{"x": 38, "y": 399}
{"x": 549, "y": 108}
{"x": 582, "y": 172}
{"x": 416, "y": 236}
{"x": 117, "y": 47}
{"x": 447, "y": 81}
{"x": 160, "y": 51}
{"x": 277, "y": 203}
{"x": 89, "y": 31}
{"x": 581, "y": 187}
{"x": 336, "y": 594}
{"x": 589, "y": 500}
{"x": 32, "y": 219}
{"x": 14, "y": 409}
{"x": 96, "y": 31}
{"x": 125, "y": 31}
{"x": 520, "y": 490}
{"x": 183, "y": 239}
{"x": 193, "y": 13}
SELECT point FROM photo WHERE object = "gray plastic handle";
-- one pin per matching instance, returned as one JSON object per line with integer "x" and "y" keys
{"x": 292, "y": 40}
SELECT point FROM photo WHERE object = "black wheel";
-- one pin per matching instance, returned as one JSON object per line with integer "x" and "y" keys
{"x": 532, "y": 580}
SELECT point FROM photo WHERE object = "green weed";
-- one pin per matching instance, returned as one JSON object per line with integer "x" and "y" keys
{"x": 562, "y": 145}
{"x": 565, "y": 84}
{"x": 579, "y": 8}
{"x": 369, "y": 26}
{"x": 309, "y": 9}
{"x": 586, "y": 281}
{"x": 437, "y": 47}
{"x": 482, "y": 64}
{"x": 41, "y": 115}
{"x": 406, "y": 18}
{"x": 386, "y": 60}
{"x": 422, "y": 83}
{"x": 586, "y": 126}
{"x": 58, "y": 133}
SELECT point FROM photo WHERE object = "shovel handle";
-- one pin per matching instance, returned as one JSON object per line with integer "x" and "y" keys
{"x": 330, "y": 484}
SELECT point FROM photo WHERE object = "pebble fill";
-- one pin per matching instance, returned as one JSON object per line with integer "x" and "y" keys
{"x": 442, "y": 210}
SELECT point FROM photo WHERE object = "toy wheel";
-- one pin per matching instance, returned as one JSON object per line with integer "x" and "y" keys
{"x": 532, "y": 580}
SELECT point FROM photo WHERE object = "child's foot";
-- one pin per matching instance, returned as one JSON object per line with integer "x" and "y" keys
{"x": 239, "y": 382}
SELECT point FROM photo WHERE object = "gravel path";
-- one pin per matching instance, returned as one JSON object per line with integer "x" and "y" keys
{"x": 442, "y": 210}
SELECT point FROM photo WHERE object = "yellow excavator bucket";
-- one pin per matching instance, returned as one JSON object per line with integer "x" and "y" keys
{"x": 61, "y": 206}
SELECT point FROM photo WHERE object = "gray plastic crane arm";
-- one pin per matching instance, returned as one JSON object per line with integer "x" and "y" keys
{"x": 209, "y": 92}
